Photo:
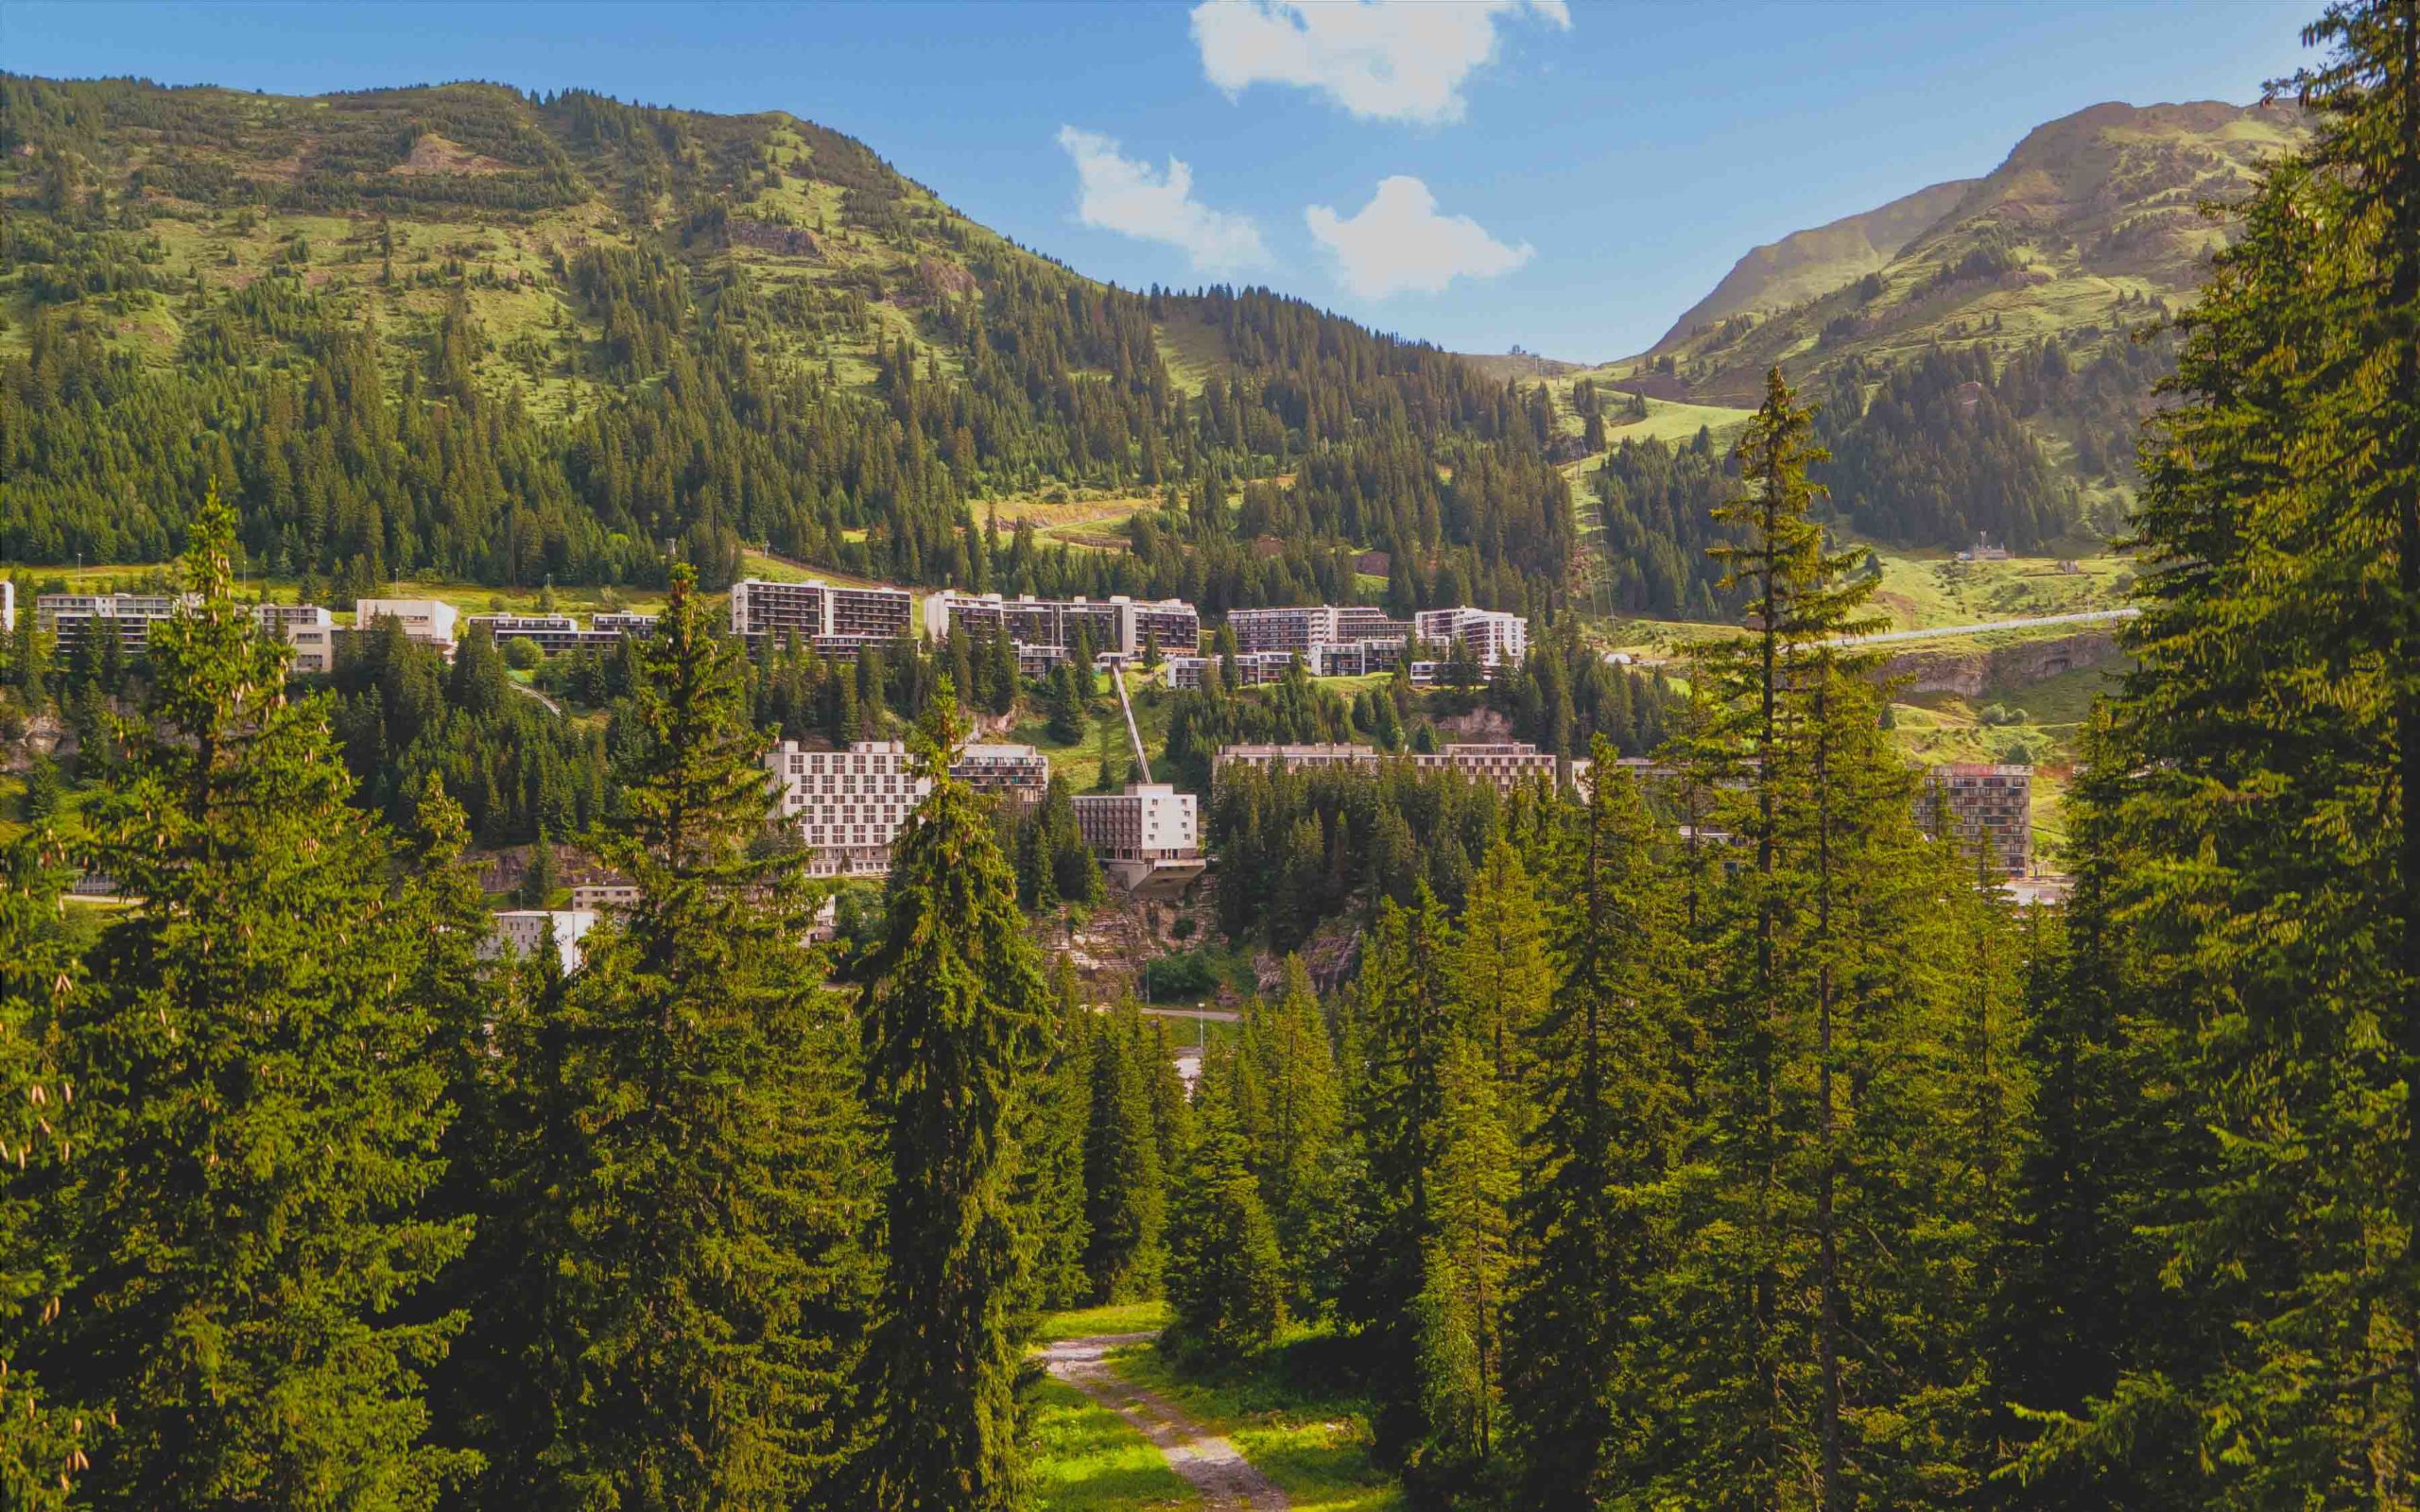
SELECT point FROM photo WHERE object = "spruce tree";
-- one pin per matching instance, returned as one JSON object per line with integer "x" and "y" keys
{"x": 240, "y": 1227}
{"x": 1051, "y": 1174}
{"x": 1226, "y": 1281}
{"x": 1123, "y": 1195}
{"x": 954, "y": 1023}
{"x": 709, "y": 1289}
{"x": 1296, "y": 1122}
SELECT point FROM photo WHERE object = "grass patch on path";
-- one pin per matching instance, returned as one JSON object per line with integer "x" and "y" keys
{"x": 1087, "y": 1458}
{"x": 1116, "y": 1317}
{"x": 1291, "y": 1414}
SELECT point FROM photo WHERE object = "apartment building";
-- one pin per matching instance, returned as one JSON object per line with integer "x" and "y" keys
{"x": 623, "y": 622}
{"x": 69, "y": 618}
{"x": 834, "y": 619}
{"x": 1149, "y": 821}
{"x": 1292, "y": 630}
{"x": 8, "y": 606}
{"x": 1048, "y": 628}
{"x": 425, "y": 620}
{"x": 1993, "y": 808}
{"x": 308, "y": 629}
{"x": 1019, "y": 773}
{"x": 600, "y": 897}
{"x": 558, "y": 633}
{"x": 848, "y": 804}
{"x": 1492, "y": 636}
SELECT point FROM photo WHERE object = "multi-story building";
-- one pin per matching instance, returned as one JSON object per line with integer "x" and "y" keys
{"x": 1993, "y": 808}
{"x": 425, "y": 620}
{"x": 848, "y": 805}
{"x": 1020, "y": 773}
{"x": 68, "y": 618}
{"x": 558, "y": 633}
{"x": 1295, "y": 628}
{"x": 1492, "y": 635}
{"x": 8, "y": 606}
{"x": 834, "y": 619}
{"x": 1046, "y": 629}
{"x": 1149, "y": 821}
{"x": 611, "y": 623}
{"x": 308, "y": 629}
{"x": 526, "y": 931}
{"x": 1354, "y": 659}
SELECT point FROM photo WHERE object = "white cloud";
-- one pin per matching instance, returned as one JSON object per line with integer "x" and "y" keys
{"x": 1398, "y": 242}
{"x": 1128, "y": 195}
{"x": 1390, "y": 60}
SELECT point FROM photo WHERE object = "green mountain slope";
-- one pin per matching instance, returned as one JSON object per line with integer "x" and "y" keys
{"x": 1807, "y": 264}
{"x": 2092, "y": 221}
{"x": 462, "y": 331}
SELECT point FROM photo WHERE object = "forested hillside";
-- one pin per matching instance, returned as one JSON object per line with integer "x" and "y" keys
{"x": 464, "y": 332}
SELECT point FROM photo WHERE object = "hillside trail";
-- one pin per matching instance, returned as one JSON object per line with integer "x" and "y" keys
{"x": 1214, "y": 1467}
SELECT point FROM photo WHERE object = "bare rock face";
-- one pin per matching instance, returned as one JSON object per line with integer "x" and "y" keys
{"x": 1968, "y": 673}
{"x": 788, "y": 241}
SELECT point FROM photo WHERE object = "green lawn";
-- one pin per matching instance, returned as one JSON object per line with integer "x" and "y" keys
{"x": 1289, "y": 1417}
{"x": 1087, "y": 1458}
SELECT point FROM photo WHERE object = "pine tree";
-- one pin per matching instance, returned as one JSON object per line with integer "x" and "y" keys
{"x": 1460, "y": 1306}
{"x": 242, "y": 1244}
{"x": 1052, "y": 1172}
{"x": 1226, "y": 1281}
{"x": 954, "y": 1024}
{"x": 709, "y": 1285}
{"x": 538, "y": 881}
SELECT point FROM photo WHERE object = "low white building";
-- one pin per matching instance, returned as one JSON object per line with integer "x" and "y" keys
{"x": 426, "y": 621}
{"x": 8, "y": 604}
{"x": 524, "y": 932}
{"x": 308, "y": 629}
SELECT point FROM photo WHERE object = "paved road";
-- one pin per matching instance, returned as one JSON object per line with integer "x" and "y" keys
{"x": 1212, "y": 1014}
{"x": 2089, "y": 616}
{"x": 1227, "y": 1481}
{"x": 527, "y": 692}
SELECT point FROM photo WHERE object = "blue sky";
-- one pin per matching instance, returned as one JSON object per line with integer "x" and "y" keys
{"x": 1480, "y": 175}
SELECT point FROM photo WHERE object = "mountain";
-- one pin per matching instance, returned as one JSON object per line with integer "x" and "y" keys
{"x": 2093, "y": 222}
{"x": 463, "y": 331}
{"x": 1805, "y": 264}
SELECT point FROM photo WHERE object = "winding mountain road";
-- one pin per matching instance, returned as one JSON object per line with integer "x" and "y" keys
{"x": 1214, "y": 1467}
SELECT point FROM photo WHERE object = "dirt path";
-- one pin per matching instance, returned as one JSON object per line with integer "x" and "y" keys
{"x": 1227, "y": 1481}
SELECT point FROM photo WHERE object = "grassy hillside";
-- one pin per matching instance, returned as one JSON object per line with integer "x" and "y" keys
{"x": 2089, "y": 221}
{"x": 1805, "y": 264}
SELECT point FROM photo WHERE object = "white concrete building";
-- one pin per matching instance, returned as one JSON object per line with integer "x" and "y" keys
{"x": 526, "y": 931}
{"x": 308, "y": 629}
{"x": 1046, "y": 629}
{"x": 1502, "y": 765}
{"x": 1020, "y": 773}
{"x": 425, "y": 620}
{"x": 8, "y": 604}
{"x": 1252, "y": 669}
{"x": 1492, "y": 635}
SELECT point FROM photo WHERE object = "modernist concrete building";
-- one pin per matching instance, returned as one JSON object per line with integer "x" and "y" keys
{"x": 308, "y": 629}
{"x": 848, "y": 804}
{"x": 1993, "y": 808}
{"x": 68, "y": 618}
{"x": 1252, "y": 668}
{"x": 8, "y": 604}
{"x": 557, "y": 633}
{"x": 834, "y": 619}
